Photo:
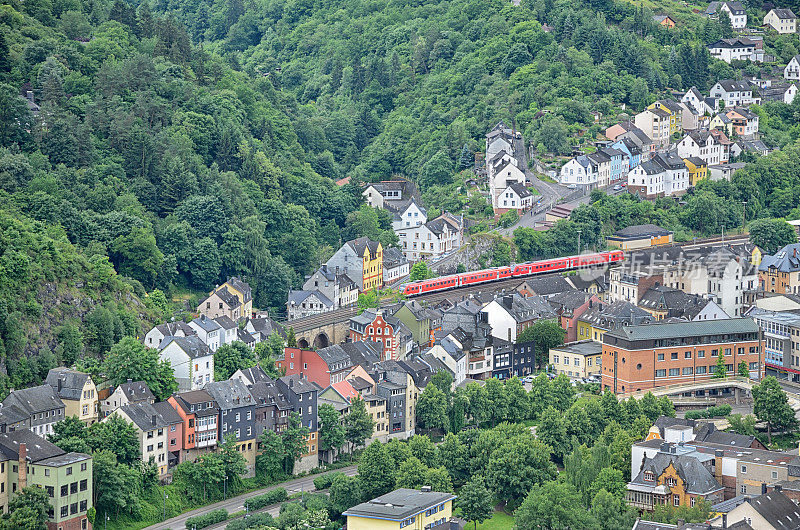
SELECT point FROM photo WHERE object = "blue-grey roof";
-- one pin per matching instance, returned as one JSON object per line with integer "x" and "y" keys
{"x": 697, "y": 479}
{"x": 786, "y": 259}
{"x": 192, "y": 346}
{"x": 685, "y": 329}
{"x": 230, "y": 394}
{"x": 206, "y": 324}
{"x": 399, "y": 504}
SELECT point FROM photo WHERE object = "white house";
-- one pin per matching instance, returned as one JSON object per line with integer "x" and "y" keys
{"x": 395, "y": 265}
{"x": 665, "y": 174}
{"x": 433, "y": 239}
{"x": 227, "y": 332}
{"x": 504, "y": 174}
{"x": 191, "y": 360}
{"x": 781, "y": 20}
{"x": 734, "y": 93}
{"x": 700, "y": 144}
{"x": 655, "y": 124}
{"x": 736, "y": 49}
{"x": 411, "y": 214}
{"x": 792, "y": 70}
{"x": 497, "y": 144}
{"x": 735, "y": 11}
{"x": 646, "y": 180}
{"x": 514, "y": 197}
{"x": 453, "y": 357}
{"x": 170, "y": 329}
{"x": 580, "y": 171}
{"x": 305, "y": 303}
{"x": 208, "y": 331}
{"x": 701, "y": 105}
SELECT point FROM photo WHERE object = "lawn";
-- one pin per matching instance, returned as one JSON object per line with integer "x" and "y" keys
{"x": 499, "y": 521}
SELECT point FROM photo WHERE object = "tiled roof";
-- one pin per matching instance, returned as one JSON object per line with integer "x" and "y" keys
{"x": 192, "y": 346}
{"x": 697, "y": 479}
{"x": 685, "y": 329}
{"x": 148, "y": 417}
{"x": 399, "y": 504}
{"x": 34, "y": 400}
{"x": 72, "y": 382}
{"x": 230, "y": 394}
{"x": 777, "y": 509}
{"x": 206, "y": 324}
{"x": 786, "y": 259}
{"x": 228, "y": 297}
{"x": 136, "y": 391}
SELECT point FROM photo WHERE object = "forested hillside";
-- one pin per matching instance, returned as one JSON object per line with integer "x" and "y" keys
{"x": 178, "y": 143}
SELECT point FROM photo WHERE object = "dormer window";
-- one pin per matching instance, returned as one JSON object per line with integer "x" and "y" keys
{"x": 648, "y": 476}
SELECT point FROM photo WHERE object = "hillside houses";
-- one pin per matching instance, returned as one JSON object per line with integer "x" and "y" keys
{"x": 507, "y": 181}
{"x": 737, "y": 49}
{"x": 782, "y": 20}
{"x": 734, "y": 10}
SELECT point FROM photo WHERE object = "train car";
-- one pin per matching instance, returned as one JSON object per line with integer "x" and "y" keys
{"x": 481, "y": 276}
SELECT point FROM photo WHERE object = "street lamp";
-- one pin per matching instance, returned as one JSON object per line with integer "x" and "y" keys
{"x": 579, "y": 240}
{"x": 165, "y": 505}
{"x": 105, "y": 521}
{"x": 225, "y": 487}
{"x": 744, "y": 215}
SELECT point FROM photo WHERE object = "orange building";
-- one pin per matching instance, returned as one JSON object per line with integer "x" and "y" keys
{"x": 655, "y": 355}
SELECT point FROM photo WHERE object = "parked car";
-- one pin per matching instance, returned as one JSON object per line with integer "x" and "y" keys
{"x": 572, "y": 187}
{"x": 617, "y": 187}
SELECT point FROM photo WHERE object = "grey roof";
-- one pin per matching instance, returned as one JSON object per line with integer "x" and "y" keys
{"x": 241, "y": 286}
{"x": 784, "y": 13}
{"x": 255, "y": 374}
{"x": 148, "y": 417}
{"x": 730, "y": 504}
{"x": 584, "y": 347}
{"x": 335, "y": 355}
{"x": 37, "y": 448}
{"x": 266, "y": 327}
{"x": 520, "y": 190}
{"x": 298, "y": 297}
{"x": 170, "y": 329}
{"x": 636, "y": 231}
{"x": 136, "y": 391}
{"x": 675, "y": 302}
{"x": 548, "y": 285}
{"x": 737, "y": 42}
{"x": 393, "y": 257}
{"x": 568, "y": 301}
{"x": 686, "y": 329}
{"x": 297, "y": 384}
{"x": 266, "y": 393}
{"x": 192, "y": 346}
{"x": 777, "y": 509}
{"x": 732, "y": 85}
{"x": 361, "y": 244}
{"x": 364, "y": 353}
{"x": 228, "y": 297}
{"x": 34, "y": 400}
{"x": 620, "y": 314}
{"x": 206, "y": 324}
{"x": 524, "y": 309}
{"x": 72, "y": 382}
{"x": 230, "y": 394}
{"x": 736, "y": 7}
{"x": 399, "y": 504}
{"x": 197, "y": 397}
{"x": 243, "y": 336}
{"x": 697, "y": 479}
{"x": 785, "y": 260}
{"x": 225, "y": 322}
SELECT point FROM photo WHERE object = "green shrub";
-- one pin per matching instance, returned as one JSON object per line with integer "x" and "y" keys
{"x": 202, "y": 521}
{"x": 710, "y": 412}
{"x": 324, "y": 482}
{"x": 271, "y": 497}
{"x": 252, "y": 521}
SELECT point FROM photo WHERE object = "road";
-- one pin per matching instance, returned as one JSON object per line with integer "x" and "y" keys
{"x": 236, "y": 504}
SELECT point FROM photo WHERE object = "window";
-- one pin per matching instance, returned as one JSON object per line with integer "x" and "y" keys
{"x": 83, "y": 506}
{"x": 687, "y": 370}
{"x": 73, "y": 488}
{"x": 701, "y": 353}
{"x": 700, "y": 370}
{"x": 648, "y": 476}
{"x": 660, "y": 356}
{"x": 150, "y": 447}
{"x": 50, "y": 491}
{"x": 64, "y": 490}
{"x": 676, "y": 500}
{"x": 674, "y": 371}
{"x": 673, "y": 355}
{"x": 727, "y": 352}
{"x": 64, "y": 511}
{"x": 744, "y": 469}
{"x": 69, "y": 470}
{"x": 73, "y": 508}
{"x": 46, "y": 472}
{"x": 661, "y": 373}
{"x": 83, "y": 485}
{"x": 743, "y": 489}
{"x": 687, "y": 355}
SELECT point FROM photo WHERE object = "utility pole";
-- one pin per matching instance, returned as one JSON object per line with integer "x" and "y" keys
{"x": 579, "y": 240}
{"x": 744, "y": 215}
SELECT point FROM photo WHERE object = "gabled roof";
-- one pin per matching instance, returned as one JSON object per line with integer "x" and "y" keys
{"x": 363, "y": 353}
{"x": 71, "y": 382}
{"x": 266, "y": 327}
{"x": 135, "y": 391}
{"x": 230, "y": 394}
{"x": 255, "y": 374}
{"x": 206, "y": 324}
{"x": 266, "y": 393}
{"x": 297, "y": 384}
{"x": 786, "y": 259}
{"x": 298, "y": 297}
{"x": 548, "y": 285}
{"x": 620, "y": 314}
{"x": 243, "y": 336}
{"x": 225, "y": 322}
{"x": 191, "y": 346}
{"x": 777, "y": 509}
{"x": 733, "y": 43}
{"x": 230, "y": 299}
{"x": 674, "y": 302}
{"x": 171, "y": 329}
{"x": 241, "y": 286}
{"x": 697, "y": 479}
{"x": 37, "y": 448}
{"x": 148, "y": 417}
{"x": 393, "y": 257}
{"x": 520, "y": 190}
{"x": 361, "y": 245}
{"x": 784, "y": 14}
{"x": 335, "y": 355}
{"x": 34, "y": 400}
{"x": 202, "y": 402}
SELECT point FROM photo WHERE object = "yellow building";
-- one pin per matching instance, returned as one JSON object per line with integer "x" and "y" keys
{"x": 640, "y": 236}
{"x": 78, "y": 392}
{"x": 673, "y": 108}
{"x": 244, "y": 292}
{"x": 373, "y": 265}
{"x": 362, "y": 260}
{"x": 402, "y": 508}
{"x": 577, "y": 359}
{"x": 698, "y": 169}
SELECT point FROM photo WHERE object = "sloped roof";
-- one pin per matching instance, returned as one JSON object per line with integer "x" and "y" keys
{"x": 298, "y": 297}
{"x": 230, "y": 394}
{"x": 697, "y": 479}
{"x": 148, "y": 417}
{"x": 686, "y": 329}
{"x": 72, "y": 382}
{"x": 361, "y": 244}
{"x": 135, "y": 391}
{"x": 225, "y": 322}
{"x": 256, "y": 374}
{"x": 777, "y": 509}
{"x": 675, "y": 302}
{"x": 228, "y": 297}
{"x": 786, "y": 259}
{"x": 191, "y": 346}
{"x": 36, "y": 447}
{"x": 241, "y": 286}
{"x": 334, "y": 355}
{"x": 171, "y": 329}
{"x": 34, "y": 400}
{"x": 637, "y": 231}
{"x": 520, "y": 190}
{"x": 206, "y": 324}
{"x": 393, "y": 257}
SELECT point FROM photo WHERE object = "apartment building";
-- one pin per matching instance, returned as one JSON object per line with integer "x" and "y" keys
{"x": 781, "y": 339}
{"x": 577, "y": 359}
{"x": 199, "y": 414}
{"x": 780, "y": 273}
{"x": 648, "y": 356}
{"x": 159, "y": 430}
{"x": 236, "y": 417}
{"x": 78, "y": 393}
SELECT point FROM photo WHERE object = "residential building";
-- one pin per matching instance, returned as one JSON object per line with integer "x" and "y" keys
{"x": 631, "y": 151}
{"x": 66, "y": 477}
{"x": 233, "y": 299}
{"x": 743, "y": 122}
{"x": 305, "y": 303}
{"x": 199, "y": 415}
{"x": 674, "y": 480}
{"x": 362, "y": 260}
{"x": 640, "y": 357}
{"x": 664, "y": 20}
{"x": 781, "y": 20}
{"x": 323, "y": 367}
{"x": 236, "y": 417}
{"x": 191, "y": 360}
{"x": 792, "y": 69}
{"x": 406, "y": 213}
{"x": 78, "y": 393}
{"x": 510, "y": 314}
{"x": 228, "y": 330}
{"x": 724, "y": 171}
{"x": 601, "y": 318}
{"x": 656, "y": 125}
{"x": 569, "y": 306}
{"x": 577, "y": 359}
{"x": 378, "y": 326}
{"x": 700, "y": 104}
{"x": 698, "y": 169}
{"x": 669, "y": 303}
{"x": 449, "y": 354}
{"x": 780, "y": 273}
{"x": 208, "y": 331}
{"x": 514, "y": 197}
{"x": 128, "y": 393}
{"x": 618, "y": 129}
{"x": 769, "y": 511}
{"x": 302, "y": 395}
{"x": 159, "y": 431}
{"x": 702, "y": 145}
{"x": 780, "y": 92}
{"x": 402, "y": 508}
{"x": 736, "y": 49}
{"x": 726, "y": 144}
{"x": 640, "y": 236}
{"x": 781, "y": 330}
{"x": 395, "y": 383}
{"x": 580, "y": 171}
{"x": 250, "y": 376}
{"x": 36, "y": 407}
{"x": 395, "y": 266}
{"x": 523, "y": 359}
{"x": 735, "y": 11}
{"x": 665, "y": 174}
{"x": 734, "y": 93}
{"x": 170, "y": 329}
{"x": 378, "y": 194}
{"x": 546, "y": 286}
{"x": 630, "y": 281}
{"x": 680, "y": 115}
{"x": 642, "y": 141}
{"x": 262, "y": 327}
{"x": 421, "y": 320}
{"x": 272, "y": 408}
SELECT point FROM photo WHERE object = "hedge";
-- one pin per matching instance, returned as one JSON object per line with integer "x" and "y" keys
{"x": 202, "y": 521}
{"x": 324, "y": 482}
{"x": 710, "y": 412}
{"x": 253, "y": 521}
{"x": 271, "y": 497}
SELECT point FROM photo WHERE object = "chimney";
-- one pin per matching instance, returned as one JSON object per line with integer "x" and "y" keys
{"x": 724, "y": 521}
{"x": 665, "y": 447}
{"x": 130, "y": 380}
{"x": 763, "y": 488}
{"x": 60, "y": 383}
{"x": 23, "y": 466}
{"x": 29, "y": 95}
{"x": 425, "y": 489}
{"x": 718, "y": 454}
{"x": 153, "y": 419}
{"x": 508, "y": 300}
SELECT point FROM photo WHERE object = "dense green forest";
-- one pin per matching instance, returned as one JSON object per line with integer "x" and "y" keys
{"x": 174, "y": 144}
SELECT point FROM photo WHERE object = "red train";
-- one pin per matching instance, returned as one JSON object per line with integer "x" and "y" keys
{"x": 515, "y": 271}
